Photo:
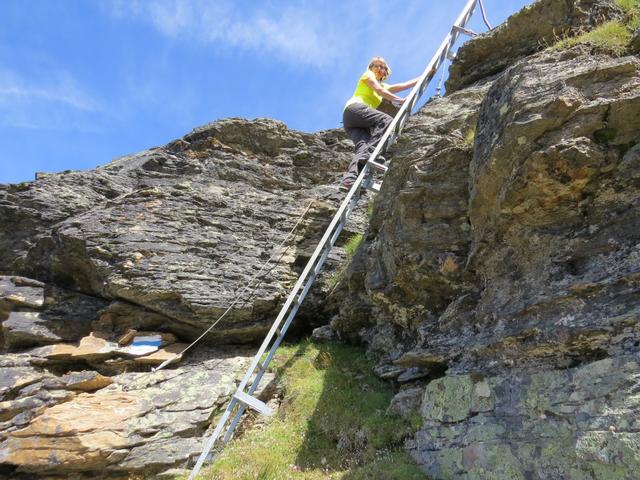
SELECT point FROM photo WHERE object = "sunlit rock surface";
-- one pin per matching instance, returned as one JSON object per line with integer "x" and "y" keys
{"x": 498, "y": 282}
{"x": 113, "y": 271}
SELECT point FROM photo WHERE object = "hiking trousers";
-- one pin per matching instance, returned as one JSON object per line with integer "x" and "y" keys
{"x": 365, "y": 126}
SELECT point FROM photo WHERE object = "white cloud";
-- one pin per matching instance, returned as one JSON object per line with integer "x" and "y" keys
{"x": 50, "y": 99}
{"x": 297, "y": 31}
{"x": 301, "y": 32}
{"x": 55, "y": 86}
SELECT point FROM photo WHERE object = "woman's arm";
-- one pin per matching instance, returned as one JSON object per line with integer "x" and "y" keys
{"x": 398, "y": 87}
{"x": 380, "y": 90}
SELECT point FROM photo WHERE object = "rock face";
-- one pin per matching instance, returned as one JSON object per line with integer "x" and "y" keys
{"x": 179, "y": 230}
{"x": 112, "y": 271}
{"x": 501, "y": 270}
{"x": 135, "y": 422}
{"x": 535, "y": 27}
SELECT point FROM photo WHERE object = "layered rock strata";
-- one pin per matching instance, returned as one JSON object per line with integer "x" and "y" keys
{"x": 112, "y": 271}
{"x": 179, "y": 230}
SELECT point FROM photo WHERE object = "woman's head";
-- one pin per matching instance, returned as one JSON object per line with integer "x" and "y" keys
{"x": 379, "y": 67}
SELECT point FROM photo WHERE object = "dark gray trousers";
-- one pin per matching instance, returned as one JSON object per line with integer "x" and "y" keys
{"x": 365, "y": 126}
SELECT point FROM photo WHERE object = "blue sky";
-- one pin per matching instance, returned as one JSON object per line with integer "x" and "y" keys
{"x": 85, "y": 81}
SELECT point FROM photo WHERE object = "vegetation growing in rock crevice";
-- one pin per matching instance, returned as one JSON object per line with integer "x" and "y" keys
{"x": 470, "y": 137}
{"x": 350, "y": 247}
{"x": 613, "y": 36}
{"x": 333, "y": 423}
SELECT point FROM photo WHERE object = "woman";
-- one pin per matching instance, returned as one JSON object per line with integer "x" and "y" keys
{"x": 363, "y": 123}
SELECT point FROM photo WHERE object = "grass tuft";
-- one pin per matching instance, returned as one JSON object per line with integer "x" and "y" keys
{"x": 332, "y": 424}
{"x": 470, "y": 137}
{"x": 628, "y": 5}
{"x": 350, "y": 247}
{"x": 352, "y": 244}
{"x": 613, "y": 36}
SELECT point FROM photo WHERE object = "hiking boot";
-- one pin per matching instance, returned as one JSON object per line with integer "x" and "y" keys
{"x": 346, "y": 185}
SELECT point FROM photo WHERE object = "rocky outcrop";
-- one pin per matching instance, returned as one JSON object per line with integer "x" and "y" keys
{"x": 575, "y": 423}
{"x": 498, "y": 282}
{"x": 501, "y": 271}
{"x": 537, "y": 26}
{"x": 179, "y": 230}
{"x": 136, "y": 421}
{"x": 412, "y": 261}
{"x": 113, "y": 271}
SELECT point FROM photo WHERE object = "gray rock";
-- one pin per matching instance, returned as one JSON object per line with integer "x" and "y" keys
{"x": 406, "y": 402}
{"x": 411, "y": 374}
{"x": 27, "y": 329}
{"x": 581, "y": 420}
{"x": 553, "y": 248}
{"x": 180, "y": 230}
{"x": 504, "y": 251}
{"x": 388, "y": 372}
{"x": 20, "y": 292}
{"x": 324, "y": 334}
{"x": 634, "y": 46}
{"x": 536, "y": 26}
{"x": 154, "y": 421}
{"x": 85, "y": 381}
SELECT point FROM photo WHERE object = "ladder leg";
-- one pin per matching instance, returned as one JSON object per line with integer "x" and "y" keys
{"x": 234, "y": 423}
{"x": 212, "y": 439}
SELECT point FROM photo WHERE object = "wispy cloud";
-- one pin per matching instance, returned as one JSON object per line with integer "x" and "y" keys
{"x": 51, "y": 100}
{"x": 300, "y": 32}
{"x": 294, "y": 32}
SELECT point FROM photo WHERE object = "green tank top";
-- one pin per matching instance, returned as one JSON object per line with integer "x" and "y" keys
{"x": 365, "y": 94}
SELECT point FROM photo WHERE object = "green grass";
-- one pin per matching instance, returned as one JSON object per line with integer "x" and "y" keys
{"x": 370, "y": 210}
{"x": 628, "y": 5}
{"x": 352, "y": 244}
{"x": 470, "y": 137}
{"x": 332, "y": 424}
{"x": 350, "y": 247}
{"x": 632, "y": 9}
{"x": 613, "y": 36}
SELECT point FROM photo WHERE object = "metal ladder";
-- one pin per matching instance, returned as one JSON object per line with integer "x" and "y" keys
{"x": 243, "y": 397}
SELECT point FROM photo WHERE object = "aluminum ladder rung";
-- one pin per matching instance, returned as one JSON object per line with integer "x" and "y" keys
{"x": 253, "y": 402}
{"x": 464, "y": 30}
{"x": 378, "y": 166}
{"x": 374, "y": 186}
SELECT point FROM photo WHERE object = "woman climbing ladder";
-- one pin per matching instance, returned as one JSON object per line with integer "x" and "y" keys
{"x": 363, "y": 123}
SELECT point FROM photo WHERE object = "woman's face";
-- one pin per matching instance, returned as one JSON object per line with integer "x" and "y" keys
{"x": 380, "y": 70}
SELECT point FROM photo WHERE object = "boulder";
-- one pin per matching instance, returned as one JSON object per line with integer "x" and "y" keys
{"x": 177, "y": 232}
{"x": 137, "y": 421}
{"x": 581, "y": 421}
{"x": 533, "y": 28}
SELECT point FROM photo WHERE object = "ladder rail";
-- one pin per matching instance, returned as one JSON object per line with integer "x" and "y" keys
{"x": 332, "y": 232}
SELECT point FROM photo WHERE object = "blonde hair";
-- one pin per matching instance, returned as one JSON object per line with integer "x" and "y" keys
{"x": 378, "y": 60}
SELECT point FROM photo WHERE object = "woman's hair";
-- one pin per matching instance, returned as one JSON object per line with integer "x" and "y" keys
{"x": 378, "y": 61}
